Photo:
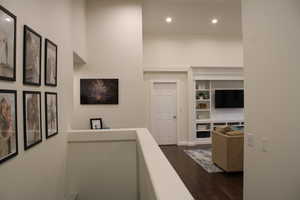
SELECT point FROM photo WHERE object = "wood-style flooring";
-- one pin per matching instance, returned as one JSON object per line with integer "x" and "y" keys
{"x": 203, "y": 185}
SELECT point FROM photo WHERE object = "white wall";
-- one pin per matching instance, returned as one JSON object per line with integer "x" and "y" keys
{"x": 39, "y": 172}
{"x": 169, "y": 50}
{"x": 115, "y": 51}
{"x": 103, "y": 169}
{"x": 79, "y": 28}
{"x": 272, "y": 46}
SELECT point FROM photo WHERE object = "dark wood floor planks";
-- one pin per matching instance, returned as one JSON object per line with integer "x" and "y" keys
{"x": 203, "y": 185}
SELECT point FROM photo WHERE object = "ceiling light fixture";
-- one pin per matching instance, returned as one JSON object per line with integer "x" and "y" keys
{"x": 169, "y": 20}
{"x": 214, "y": 21}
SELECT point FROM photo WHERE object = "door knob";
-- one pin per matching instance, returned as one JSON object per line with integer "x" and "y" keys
{"x": 174, "y": 117}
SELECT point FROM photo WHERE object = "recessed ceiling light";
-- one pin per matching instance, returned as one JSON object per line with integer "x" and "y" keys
{"x": 214, "y": 21}
{"x": 7, "y": 19}
{"x": 169, "y": 20}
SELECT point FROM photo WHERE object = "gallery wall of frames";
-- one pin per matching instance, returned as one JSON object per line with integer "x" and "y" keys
{"x": 32, "y": 104}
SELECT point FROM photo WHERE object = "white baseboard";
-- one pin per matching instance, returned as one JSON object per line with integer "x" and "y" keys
{"x": 194, "y": 143}
{"x": 183, "y": 143}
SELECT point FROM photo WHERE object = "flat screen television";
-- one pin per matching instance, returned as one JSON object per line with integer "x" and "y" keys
{"x": 229, "y": 99}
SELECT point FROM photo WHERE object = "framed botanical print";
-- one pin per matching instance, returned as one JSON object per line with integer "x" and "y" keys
{"x": 32, "y": 57}
{"x": 50, "y": 63}
{"x": 32, "y": 118}
{"x": 51, "y": 114}
{"x": 96, "y": 123}
{"x": 8, "y": 23}
{"x": 8, "y": 125}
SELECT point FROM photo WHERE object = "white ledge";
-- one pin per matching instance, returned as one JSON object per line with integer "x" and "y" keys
{"x": 166, "y": 182}
{"x": 80, "y": 136}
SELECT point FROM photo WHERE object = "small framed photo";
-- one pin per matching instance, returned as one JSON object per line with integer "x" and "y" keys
{"x": 32, "y": 57}
{"x": 8, "y": 125}
{"x": 51, "y": 114}
{"x": 50, "y": 63}
{"x": 96, "y": 123}
{"x": 8, "y": 43}
{"x": 32, "y": 119}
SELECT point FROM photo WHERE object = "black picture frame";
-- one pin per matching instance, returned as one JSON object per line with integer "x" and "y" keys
{"x": 99, "y": 91}
{"x": 92, "y": 124}
{"x": 14, "y": 18}
{"x": 14, "y": 93}
{"x": 47, "y": 94}
{"x": 47, "y": 44}
{"x": 28, "y": 30}
{"x": 26, "y": 145}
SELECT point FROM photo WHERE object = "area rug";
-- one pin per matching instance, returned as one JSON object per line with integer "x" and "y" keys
{"x": 204, "y": 158}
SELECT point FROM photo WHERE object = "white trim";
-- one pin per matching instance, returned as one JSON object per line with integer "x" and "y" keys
{"x": 183, "y": 143}
{"x": 217, "y": 67}
{"x": 166, "y": 69}
{"x": 178, "y": 115}
{"x": 198, "y": 142}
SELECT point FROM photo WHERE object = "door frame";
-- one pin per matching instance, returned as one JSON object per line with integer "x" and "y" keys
{"x": 178, "y": 116}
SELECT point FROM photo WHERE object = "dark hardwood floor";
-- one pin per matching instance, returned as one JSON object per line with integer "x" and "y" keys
{"x": 203, "y": 185}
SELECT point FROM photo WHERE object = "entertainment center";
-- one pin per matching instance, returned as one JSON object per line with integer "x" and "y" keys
{"x": 218, "y": 101}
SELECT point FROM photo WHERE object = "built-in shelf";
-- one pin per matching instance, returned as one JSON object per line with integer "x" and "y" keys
{"x": 204, "y": 130}
{"x": 202, "y": 90}
{"x": 203, "y": 100}
{"x": 202, "y": 110}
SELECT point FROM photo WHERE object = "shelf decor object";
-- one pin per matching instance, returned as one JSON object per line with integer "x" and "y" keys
{"x": 96, "y": 123}
{"x": 8, "y": 43}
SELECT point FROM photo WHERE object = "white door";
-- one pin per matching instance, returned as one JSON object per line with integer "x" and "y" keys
{"x": 163, "y": 112}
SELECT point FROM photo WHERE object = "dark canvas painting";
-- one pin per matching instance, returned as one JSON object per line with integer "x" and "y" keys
{"x": 99, "y": 91}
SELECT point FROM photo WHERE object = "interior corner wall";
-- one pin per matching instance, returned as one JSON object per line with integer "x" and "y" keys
{"x": 114, "y": 32}
{"x": 79, "y": 28}
{"x": 39, "y": 172}
{"x": 163, "y": 51}
{"x": 272, "y": 99}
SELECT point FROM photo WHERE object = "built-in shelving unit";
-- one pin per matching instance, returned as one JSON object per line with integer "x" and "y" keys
{"x": 205, "y": 117}
{"x": 205, "y": 113}
{"x": 203, "y": 108}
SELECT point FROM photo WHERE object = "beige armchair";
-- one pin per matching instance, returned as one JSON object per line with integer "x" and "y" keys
{"x": 228, "y": 151}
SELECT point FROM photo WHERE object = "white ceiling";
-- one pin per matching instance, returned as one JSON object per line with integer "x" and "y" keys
{"x": 192, "y": 16}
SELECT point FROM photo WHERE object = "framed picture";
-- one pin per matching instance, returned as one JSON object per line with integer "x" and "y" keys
{"x": 99, "y": 91}
{"x": 50, "y": 63}
{"x": 8, "y": 125}
{"x": 8, "y": 26}
{"x": 96, "y": 123}
{"x": 32, "y": 119}
{"x": 51, "y": 114}
{"x": 32, "y": 57}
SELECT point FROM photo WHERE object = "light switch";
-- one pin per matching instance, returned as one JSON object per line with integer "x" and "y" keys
{"x": 250, "y": 140}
